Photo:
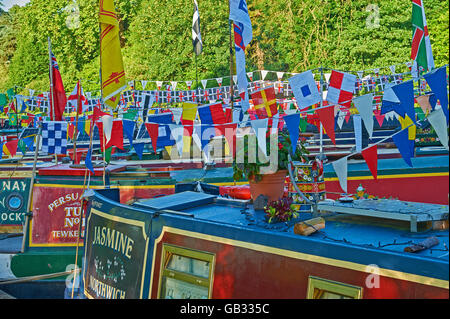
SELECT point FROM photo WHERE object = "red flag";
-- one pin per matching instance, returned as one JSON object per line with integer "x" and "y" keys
{"x": 229, "y": 131}
{"x": 59, "y": 94}
{"x": 153, "y": 132}
{"x": 98, "y": 113}
{"x": 371, "y": 157}
{"x": 116, "y": 135}
{"x": 326, "y": 116}
{"x": 11, "y": 147}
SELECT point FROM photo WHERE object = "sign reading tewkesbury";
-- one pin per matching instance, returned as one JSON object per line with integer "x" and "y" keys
{"x": 56, "y": 216}
{"x": 115, "y": 256}
{"x": 13, "y": 201}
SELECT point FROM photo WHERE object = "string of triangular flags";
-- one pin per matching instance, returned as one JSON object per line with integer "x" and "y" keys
{"x": 398, "y": 98}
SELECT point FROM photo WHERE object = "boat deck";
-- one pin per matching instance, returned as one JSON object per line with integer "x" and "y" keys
{"x": 360, "y": 231}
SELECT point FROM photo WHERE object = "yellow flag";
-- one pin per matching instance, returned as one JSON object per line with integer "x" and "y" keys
{"x": 189, "y": 111}
{"x": 113, "y": 74}
{"x": 405, "y": 122}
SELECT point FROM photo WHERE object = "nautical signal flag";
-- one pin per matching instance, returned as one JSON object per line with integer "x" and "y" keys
{"x": 340, "y": 88}
{"x": 265, "y": 102}
{"x": 113, "y": 74}
{"x": 54, "y": 137}
{"x": 305, "y": 89}
{"x": 212, "y": 114}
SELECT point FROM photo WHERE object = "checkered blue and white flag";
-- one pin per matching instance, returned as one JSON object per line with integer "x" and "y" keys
{"x": 54, "y": 137}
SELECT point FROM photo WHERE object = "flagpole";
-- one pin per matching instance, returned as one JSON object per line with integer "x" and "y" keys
{"x": 231, "y": 64}
{"x": 30, "y": 194}
{"x": 101, "y": 105}
{"x": 76, "y": 122}
{"x": 321, "y": 105}
{"x": 52, "y": 106}
{"x": 17, "y": 116}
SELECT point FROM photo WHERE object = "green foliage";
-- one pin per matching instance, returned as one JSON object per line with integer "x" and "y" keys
{"x": 288, "y": 35}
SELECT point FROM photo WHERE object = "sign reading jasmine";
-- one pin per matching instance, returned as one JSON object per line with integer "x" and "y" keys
{"x": 116, "y": 250}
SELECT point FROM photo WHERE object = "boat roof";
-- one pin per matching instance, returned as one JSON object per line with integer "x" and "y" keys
{"x": 383, "y": 234}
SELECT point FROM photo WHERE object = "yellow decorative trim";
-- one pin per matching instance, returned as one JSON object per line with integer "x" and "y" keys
{"x": 355, "y": 178}
{"x": 307, "y": 257}
{"x": 335, "y": 287}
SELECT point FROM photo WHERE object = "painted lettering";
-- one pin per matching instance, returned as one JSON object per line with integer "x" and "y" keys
{"x": 113, "y": 239}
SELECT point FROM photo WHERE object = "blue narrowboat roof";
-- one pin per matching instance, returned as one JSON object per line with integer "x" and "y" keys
{"x": 363, "y": 232}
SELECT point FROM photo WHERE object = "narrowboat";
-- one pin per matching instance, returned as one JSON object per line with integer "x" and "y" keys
{"x": 195, "y": 245}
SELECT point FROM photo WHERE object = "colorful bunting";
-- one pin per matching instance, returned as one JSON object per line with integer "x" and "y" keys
{"x": 437, "y": 120}
{"x": 437, "y": 80}
{"x": 153, "y": 132}
{"x": 326, "y": 117}
{"x": 364, "y": 106}
{"x": 260, "y": 129}
{"x": 293, "y": 125}
{"x": 405, "y": 146}
{"x": 305, "y": 89}
{"x": 357, "y": 127}
{"x": 340, "y": 88}
{"x": 265, "y": 102}
{"x": 370, "y": 155}
{"x": 340, "y": 167}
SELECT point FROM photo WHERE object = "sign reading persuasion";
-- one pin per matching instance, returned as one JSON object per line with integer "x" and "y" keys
{"x": 56, "y": 216}
{"x": 115, "y": 256}
{"x": 13, "y": 200}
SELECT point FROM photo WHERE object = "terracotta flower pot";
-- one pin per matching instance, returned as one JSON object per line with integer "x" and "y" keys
{"x": 271, "y": 185}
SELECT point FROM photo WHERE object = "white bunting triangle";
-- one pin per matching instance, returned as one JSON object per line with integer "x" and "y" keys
{"x": 360, "y": 74}
{"x": 174, "y": 85}
{"x": 340, "y": 119}
{"x": 204, "y": 82}
{"x": 340, "y": 167}
{"x": 31, "y": 92}
{"x": 177, "y": 113}
{"x": 357, "y": 127}
{"x": 260, "y": 129}
{"x": 177, "y": 132}
{"x": 144, "y": 84}
{"x": 280, "y": 75}
{"x": 219, "y": 81}
{"x": 159, "y": 84}
{"x": 392, "y": 68}
{"x": 264, "y": 74}
{"x": 364, "y": 106}
{"x": 107, "y": 121}
{"x": 439, "y": 122}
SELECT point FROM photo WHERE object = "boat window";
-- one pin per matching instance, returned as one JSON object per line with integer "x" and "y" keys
{"x": 319, "y": 288}
{"x": 185, "y": 273}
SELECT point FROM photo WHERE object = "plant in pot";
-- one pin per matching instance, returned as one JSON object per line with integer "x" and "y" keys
{"x": 281, "y": 210}
{"x": 266, "y": 175}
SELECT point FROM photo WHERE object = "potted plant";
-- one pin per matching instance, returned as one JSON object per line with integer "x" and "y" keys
{"x": 281, "y": 210}
{"x": 264, "y": 177}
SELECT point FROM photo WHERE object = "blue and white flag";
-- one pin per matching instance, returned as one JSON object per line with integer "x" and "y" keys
{"x": 305, "y": 89}
{"x": 239, "y": 14}
{"x": 54, "y": 137}
{"x": 242, "y": 36}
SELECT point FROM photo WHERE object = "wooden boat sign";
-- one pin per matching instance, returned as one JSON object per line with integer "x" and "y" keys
{"x": 13, "y": 202}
